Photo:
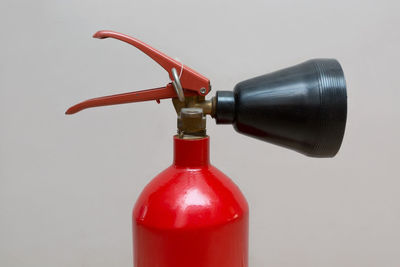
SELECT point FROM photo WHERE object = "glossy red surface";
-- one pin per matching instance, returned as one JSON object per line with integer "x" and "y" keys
{"x": 191, "y": 214}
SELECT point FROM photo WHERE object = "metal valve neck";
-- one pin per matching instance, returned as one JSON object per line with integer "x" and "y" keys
{"x": 192, "y": 116}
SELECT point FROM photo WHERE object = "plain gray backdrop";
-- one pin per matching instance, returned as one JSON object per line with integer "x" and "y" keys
{"x": 68, "y": 183}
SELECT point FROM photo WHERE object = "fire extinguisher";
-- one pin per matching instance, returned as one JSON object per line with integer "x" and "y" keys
{"x": 191, "y": 214}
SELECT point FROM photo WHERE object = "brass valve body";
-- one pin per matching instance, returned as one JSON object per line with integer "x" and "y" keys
{"x": 192, "y": 115}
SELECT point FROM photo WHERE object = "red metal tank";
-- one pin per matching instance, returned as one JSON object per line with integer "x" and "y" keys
{"x": 191, "y": 214}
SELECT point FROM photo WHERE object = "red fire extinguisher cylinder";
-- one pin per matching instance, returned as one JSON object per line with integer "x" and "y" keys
{"x": 191, "y": 214}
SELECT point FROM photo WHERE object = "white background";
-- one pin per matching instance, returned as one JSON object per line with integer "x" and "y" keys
{"x": 68, "y": 183}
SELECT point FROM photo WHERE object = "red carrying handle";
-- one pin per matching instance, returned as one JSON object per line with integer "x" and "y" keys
{"x": 191, "y": 81}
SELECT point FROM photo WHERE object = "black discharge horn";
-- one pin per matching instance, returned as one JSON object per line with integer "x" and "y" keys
{"x": 303, "y": 107}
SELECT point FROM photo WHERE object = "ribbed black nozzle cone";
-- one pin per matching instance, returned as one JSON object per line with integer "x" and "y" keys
{"x": 302, "y": 108}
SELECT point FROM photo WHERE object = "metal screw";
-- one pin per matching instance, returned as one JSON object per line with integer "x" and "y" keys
{"x": 202, "y": 90}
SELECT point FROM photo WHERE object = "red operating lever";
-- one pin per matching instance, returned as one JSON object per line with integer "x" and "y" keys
{"x": 191, "y": 81}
